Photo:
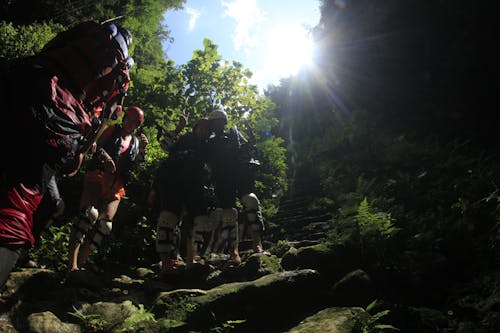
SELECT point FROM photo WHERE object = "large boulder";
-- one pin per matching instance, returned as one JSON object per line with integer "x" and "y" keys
{"x": 268, "y": 302}
{"x": 334, "y": 320}
{"x": 31, "y": 282}
{"x": 121, "y": 317}
{"x": 253, "y": 267}
{"x": 354, "y": 289}
{"x": 109, "y": 314}
{"x": 47, "y": 322}
{"x": 332, "y": 260}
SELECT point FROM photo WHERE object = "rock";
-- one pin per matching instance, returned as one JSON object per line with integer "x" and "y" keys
{"x": 258, "y": 265}
{"x": 254, "y": 266}
{"x": 332, "y": 260}
{"x": 47, "y": 322}
{"x": 142, "y": 272}
{"x": 334, "y": 320}
{"x": 32, "y": 282}
{"x": 6, "y": 327}
{"x": 267, "y": 302}
{"x": 124, "y": 317}
{"x": 109, "y": 315}
{"x": 84, "y": 279}
{"x": 354, "y": 289}
{"x": 126, "y": 282}
{"x": 289, "y": 260}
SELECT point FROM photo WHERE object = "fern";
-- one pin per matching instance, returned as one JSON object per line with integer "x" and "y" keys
{"x": 374, "y": 224}
{"x": 92, "y": 322}
{"x": 140, "y": 316}
{"x": 372, "y": 325}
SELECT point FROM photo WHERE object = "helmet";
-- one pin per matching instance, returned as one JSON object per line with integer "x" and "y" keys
{"x": 218, "y": 114}
{"x": 122, "y": 36}
{"x": 203, "y": 122}
{"x": 130, "y": 62}
{"x": 134, "y": 112}
{"x": 127, "y": 35}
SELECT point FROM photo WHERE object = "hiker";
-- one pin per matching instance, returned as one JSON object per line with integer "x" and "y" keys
{"x": 232, "y": 162}
{"x": 56, "y": 103}
{"x": 179, "y": 193}
{"x": 119, "y": 152}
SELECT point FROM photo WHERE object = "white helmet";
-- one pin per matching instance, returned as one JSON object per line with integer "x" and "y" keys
{"x": 218, "y": 114}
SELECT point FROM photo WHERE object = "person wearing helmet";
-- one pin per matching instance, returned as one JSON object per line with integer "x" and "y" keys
{"x": 118, "y": 152}
{"x": 178, "y": 196}
{"x": 231, "y": 158}
{"x": 50, "y": 101}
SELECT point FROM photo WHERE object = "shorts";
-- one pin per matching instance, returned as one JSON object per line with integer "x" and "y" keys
{"x": 111, "y": 185}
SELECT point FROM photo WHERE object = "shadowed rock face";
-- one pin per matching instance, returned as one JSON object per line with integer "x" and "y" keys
{"x": 333, "y": 320}
{"x": 44, "y": 301}
{"x": 267, "y": 302}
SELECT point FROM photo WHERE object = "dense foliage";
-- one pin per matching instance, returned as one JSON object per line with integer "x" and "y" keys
{"x": 396, "y": 123}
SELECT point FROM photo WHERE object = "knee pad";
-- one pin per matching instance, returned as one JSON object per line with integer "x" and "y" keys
{"x": 86, "y": 221}
{"x": 250, "y": 201}
{"x": 102, "y": 229}
{"x": 216, "y": 217}
{"x": 229, "y": 225}
{"x": 165, "y": 232}
{"x": 252, "y": 213}
{"x": 229, "y": 217}
{"x": 201, "y": 225}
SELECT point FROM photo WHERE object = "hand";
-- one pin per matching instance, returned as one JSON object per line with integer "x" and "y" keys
{"x": 143, "y": 142}
{"x": 93, "y": 148}
{"x": 109, "y": 166}
{"x": 249, "y": 130}
{"x": 108, "y": 163}
{"x": 71, "y": 167}
{"x": 182, "y": 123}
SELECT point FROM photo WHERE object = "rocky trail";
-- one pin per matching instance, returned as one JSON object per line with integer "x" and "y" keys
{"x": 306, "y": 285}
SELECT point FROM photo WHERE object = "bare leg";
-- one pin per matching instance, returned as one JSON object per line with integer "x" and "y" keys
{"x": 256, "y": 241}
{"x": 74, "y": 248}
{"x": 88, "y": 198}
{"x": 190, "y": 241}
{"x": 190, "y": 251}
{"x": 235, "y": 254}
{"x": 87, "y": 247}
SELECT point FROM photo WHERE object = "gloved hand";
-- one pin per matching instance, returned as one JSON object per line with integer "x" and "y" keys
{"x": 143, "y": 143}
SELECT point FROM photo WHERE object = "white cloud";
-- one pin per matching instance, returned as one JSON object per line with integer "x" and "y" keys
{"x": 248, "y": 17}
{"x": 193, "y": 17}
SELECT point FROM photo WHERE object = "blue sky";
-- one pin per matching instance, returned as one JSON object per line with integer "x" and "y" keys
{"x": 266, "y": 36}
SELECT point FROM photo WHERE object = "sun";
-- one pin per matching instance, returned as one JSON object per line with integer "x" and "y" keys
{"x": 288, "y": 49}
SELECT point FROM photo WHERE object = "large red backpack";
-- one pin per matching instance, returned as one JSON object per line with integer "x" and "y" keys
{"x": 92, "y": 59}
{"x": 90, "y": 67}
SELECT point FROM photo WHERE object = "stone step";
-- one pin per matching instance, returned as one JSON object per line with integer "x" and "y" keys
{"x": 304, "y": 219}
{"x": 287, "y": 203}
